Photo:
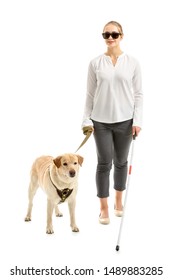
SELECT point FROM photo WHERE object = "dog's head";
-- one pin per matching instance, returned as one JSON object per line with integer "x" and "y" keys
{"x": 68, "y": 164}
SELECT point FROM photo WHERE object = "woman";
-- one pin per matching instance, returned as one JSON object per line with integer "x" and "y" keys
{"x": 113, "y": 110}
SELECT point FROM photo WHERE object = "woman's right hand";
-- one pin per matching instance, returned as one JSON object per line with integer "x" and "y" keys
{"x": 87, "y": 129}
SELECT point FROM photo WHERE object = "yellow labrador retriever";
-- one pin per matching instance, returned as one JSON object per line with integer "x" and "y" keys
{"x": 58, "y": 177}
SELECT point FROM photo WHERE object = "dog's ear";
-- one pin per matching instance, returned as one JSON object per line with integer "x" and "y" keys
{"x": 57, "y": 161}
{"x": 80, "y": 159}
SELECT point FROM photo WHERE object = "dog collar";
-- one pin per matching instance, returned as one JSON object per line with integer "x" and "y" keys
{"x": 64, "y": 193}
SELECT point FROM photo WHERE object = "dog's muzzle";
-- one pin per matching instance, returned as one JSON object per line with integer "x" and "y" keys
{"x": 72, "y": 173}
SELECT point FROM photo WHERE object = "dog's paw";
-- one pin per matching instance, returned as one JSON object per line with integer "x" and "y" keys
{"x": 59, "y": 214}
{"x": 75, "y": 229}
{"x": 49, "y": 230}
{"x": 27, "y": 219}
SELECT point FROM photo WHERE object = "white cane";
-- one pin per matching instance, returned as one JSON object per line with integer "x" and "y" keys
{"x": 127, "y": 189}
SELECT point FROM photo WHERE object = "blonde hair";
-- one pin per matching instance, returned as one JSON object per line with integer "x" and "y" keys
{"x": 117, "y": 24}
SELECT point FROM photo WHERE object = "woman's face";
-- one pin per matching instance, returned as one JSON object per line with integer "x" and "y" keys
{"x": 111, "y": 42}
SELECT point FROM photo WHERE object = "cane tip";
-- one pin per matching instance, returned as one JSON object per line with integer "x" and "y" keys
{"x": 117, "y": 248}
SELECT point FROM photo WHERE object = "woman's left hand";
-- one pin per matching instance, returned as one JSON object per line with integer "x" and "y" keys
{"x": 136, "y": 130}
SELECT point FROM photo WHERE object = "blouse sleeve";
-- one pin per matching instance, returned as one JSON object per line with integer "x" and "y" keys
{"x": 91, "y": 88}
{"x": 138, "y": 96}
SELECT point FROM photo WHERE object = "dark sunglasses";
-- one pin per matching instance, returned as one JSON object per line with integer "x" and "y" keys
{"x": 114, "y": 35}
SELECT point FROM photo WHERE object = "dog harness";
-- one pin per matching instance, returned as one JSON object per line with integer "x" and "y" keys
{"x": 64, "y": 193}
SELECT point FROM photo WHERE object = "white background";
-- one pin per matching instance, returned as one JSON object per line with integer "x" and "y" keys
{"x": 45, "y": 50}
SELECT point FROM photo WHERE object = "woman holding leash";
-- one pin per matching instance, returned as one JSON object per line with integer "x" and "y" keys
{"x": 113, "y": 110}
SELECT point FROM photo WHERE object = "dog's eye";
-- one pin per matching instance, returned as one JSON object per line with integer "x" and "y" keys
{"x": 65, "y": 164}
{"x": 75, "y": 163}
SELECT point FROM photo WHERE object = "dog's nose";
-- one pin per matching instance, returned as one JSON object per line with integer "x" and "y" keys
{"x": 72, "y": 173}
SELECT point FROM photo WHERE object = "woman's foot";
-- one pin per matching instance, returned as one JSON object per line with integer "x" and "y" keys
{"x": 104, "y": 221}
{"x": 104, "y": 214}
{"x": 118, "y": 213}
{"x": 118, "y": 208}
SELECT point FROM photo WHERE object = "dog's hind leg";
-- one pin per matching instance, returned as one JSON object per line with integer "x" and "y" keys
{"x": 57, "y": 212}
{"x": 33, "y": 186}
{"x": 71, "y": 206}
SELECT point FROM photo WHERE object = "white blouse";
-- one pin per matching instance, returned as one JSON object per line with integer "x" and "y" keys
{"x": 114, "y": 93}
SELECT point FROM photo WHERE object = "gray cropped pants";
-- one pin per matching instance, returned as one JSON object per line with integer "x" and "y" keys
{"x": 112, "y": 146}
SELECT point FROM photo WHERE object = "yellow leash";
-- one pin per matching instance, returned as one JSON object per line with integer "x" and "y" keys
{"x": 87, "y": 130}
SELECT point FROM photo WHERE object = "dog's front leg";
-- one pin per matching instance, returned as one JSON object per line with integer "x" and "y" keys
{"x": 33, "y": 186}
{"x": 50, "y": 208}
{"x": 71, "y": 206}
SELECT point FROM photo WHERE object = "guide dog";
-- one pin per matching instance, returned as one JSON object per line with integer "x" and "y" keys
{"x": 58, "y": 177}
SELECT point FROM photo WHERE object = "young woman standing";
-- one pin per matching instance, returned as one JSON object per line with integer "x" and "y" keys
{"x": 113, "y": 110}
